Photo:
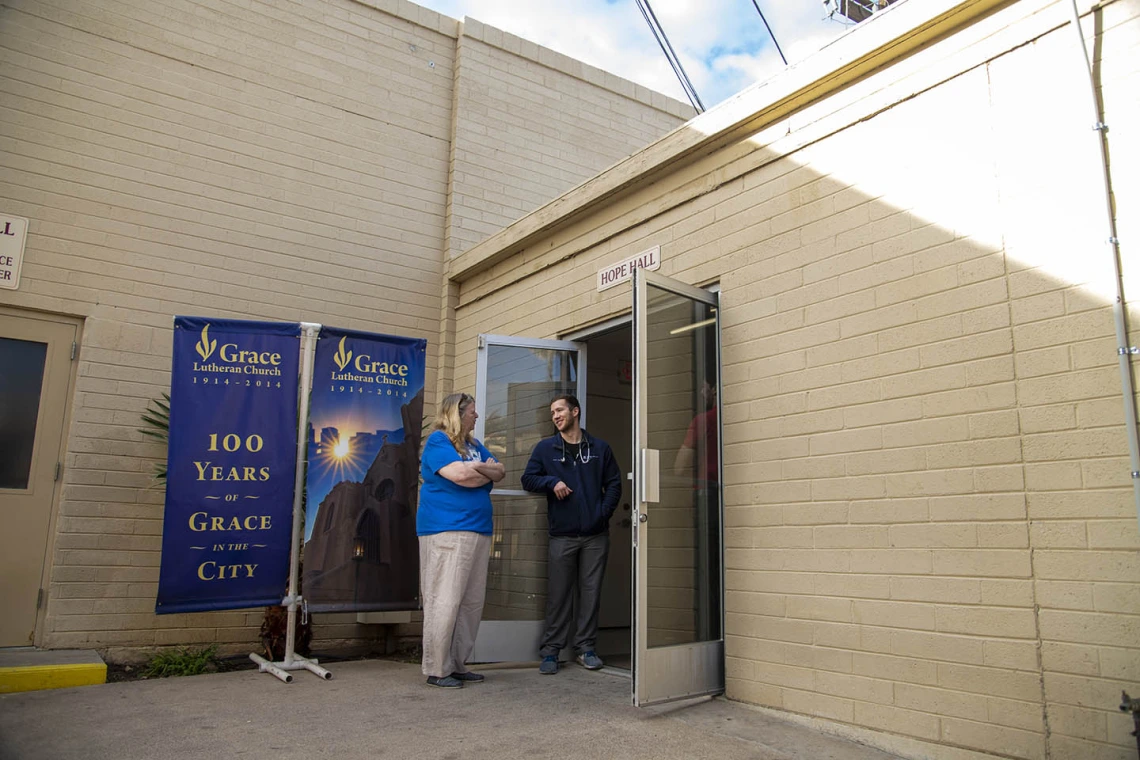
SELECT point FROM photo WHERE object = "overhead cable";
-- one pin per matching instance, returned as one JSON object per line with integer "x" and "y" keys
{"x": 670, "y": 55}
{"x": 770, "y": 34}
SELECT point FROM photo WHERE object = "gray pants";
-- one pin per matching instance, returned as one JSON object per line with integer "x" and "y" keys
{"x": 574, "y": 564}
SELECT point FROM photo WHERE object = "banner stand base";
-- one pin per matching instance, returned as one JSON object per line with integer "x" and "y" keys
{"x": 293, "y": 661}
{"x": 280, "y": 669}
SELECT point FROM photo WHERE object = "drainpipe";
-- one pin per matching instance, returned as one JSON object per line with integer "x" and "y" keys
{"x": 1124, "y": 351}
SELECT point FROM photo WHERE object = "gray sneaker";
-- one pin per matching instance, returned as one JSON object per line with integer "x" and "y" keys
{"x": 444, "y": 682}
{"x": 590, "y": 661}
{"x": 549, "y": 665}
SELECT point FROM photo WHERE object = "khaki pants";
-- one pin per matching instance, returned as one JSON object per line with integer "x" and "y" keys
{"x": 453, "y": 585}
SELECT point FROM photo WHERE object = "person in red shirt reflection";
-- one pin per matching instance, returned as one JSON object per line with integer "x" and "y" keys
{"x": 697, "y": 457}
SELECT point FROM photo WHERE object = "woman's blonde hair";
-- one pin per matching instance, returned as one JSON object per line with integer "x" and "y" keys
{"x": 448, "y": 420}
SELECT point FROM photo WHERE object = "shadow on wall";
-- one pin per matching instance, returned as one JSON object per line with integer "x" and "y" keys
{"x": 923, "y": 420}
{"x": 929, "y": 528}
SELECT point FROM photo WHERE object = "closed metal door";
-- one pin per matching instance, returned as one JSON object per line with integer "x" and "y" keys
{"x": 35, "y": 372}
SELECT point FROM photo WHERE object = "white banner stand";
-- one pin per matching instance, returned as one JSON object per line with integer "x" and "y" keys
{"x": 293, "y": 661}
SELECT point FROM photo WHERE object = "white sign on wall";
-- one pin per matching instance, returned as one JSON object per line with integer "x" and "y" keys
{"x": 13, "y": 235}
{"x": 623, "y": 270}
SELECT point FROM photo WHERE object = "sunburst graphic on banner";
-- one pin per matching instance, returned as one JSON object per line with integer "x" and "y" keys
{"x": 338, "y": 459}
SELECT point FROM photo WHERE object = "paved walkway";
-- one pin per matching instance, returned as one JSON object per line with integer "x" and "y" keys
{"x": 381, "y": 709}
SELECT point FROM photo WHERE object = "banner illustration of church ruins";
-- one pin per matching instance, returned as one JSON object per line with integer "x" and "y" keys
{"x": 364, "y": 434}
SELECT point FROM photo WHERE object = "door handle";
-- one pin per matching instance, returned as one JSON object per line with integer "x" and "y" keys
{"x": 650, "y": 475}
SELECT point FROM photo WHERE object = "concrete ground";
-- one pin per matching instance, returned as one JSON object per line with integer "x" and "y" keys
{"x": 381, "y": 709}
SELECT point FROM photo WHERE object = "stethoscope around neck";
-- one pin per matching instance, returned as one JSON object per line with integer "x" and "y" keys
{"x": 584, "y": 456}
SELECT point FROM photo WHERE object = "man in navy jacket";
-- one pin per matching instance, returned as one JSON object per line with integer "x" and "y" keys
{"x": 582, "y": 483}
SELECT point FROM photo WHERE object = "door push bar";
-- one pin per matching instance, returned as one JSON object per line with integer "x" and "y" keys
{"x": 650, "y": 477}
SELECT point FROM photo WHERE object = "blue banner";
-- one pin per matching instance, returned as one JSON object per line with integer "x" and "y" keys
{"x": 231, "y": 465}
{"x": 362, "y": 482}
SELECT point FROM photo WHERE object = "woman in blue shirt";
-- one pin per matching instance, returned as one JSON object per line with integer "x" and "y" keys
{"x": 453, "y": 523}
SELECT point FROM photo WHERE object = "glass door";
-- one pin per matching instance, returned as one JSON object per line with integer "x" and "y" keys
{"x": 678, "y": 604}
{"x": 516, "y": 380}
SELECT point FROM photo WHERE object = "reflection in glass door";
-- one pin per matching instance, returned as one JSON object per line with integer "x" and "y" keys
{"x": 678, "y": 613}
{"x": 516, "y": 380}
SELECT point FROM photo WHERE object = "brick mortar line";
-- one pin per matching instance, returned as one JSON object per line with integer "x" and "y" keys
{"x": 1033, "y": 577}
{"x": 562, "y": 68}
{"x": 685, "y": 196}
{"x": 286, "y": 95}
{"x": 462, "y": 29}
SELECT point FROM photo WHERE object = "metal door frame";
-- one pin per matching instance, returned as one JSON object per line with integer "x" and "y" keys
{"x": 54, "y": 458}
{"x": 488, "y": 340}
{"x": 664, "y": 674}
{"x": 515, "y": 640}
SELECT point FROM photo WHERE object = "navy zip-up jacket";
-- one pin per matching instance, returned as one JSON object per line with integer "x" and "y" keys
{"x": 595, "y": 486}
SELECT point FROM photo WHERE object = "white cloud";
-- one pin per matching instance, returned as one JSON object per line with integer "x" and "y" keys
{"x": 723, "y": 44}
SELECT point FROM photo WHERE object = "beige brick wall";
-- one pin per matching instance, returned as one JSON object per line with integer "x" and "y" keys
{"x": 1082, "y": 520}
{"x": 930, "y": 538}
{"x": 531, "y": 123}
{"x": 269, "y": 160}
{"x": 272, "y": 160}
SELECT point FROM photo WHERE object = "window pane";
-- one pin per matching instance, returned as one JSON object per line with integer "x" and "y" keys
{"x": 683, "y": 586}
{"x": 516, "y": 576}
{"x": 520, "y": 385}
{"x": 21, "y": 379}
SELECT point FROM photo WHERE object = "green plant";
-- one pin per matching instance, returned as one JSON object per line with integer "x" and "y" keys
{"x": 182, "y": 662}
{"x": 157, "y": 420}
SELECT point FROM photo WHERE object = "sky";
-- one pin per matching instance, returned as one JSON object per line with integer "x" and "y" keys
{"x": 722, "y": 44}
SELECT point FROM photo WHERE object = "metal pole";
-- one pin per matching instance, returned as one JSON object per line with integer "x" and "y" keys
{"x": 1124, "y": 351}
{"x": 292, "y": 661}
{"x": 309, "y": 332}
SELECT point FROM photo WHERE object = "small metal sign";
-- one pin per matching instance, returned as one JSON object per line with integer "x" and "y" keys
{"x": 13, "y": 236}
{"x": 623, "y": 270}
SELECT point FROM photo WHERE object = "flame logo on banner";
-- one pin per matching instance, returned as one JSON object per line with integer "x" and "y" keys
{"x": 342, "y": 358}
{"x": 205, "y": 346}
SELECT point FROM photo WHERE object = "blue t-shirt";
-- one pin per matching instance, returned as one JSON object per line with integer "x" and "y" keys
{"x": 445, "y": 505}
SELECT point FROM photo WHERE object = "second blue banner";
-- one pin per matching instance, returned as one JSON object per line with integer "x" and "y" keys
{"x": 365, "y": 420}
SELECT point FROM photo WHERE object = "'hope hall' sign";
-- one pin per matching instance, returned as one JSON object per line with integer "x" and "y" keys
{"x": 623, "y": 270}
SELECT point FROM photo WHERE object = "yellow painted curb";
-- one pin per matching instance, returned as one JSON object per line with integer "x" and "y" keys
{"x": 34, "y": 677}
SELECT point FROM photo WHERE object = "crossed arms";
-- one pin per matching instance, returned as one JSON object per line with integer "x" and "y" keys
{"x": 473, "y": 474}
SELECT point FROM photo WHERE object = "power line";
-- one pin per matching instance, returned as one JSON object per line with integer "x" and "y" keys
{"x": 670, "y": 55}
{"x": 781, "y": 52}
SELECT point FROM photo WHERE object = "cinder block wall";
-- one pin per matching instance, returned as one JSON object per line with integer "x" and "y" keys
{"x": 531, "y": 123}
{"x": 267, "y": 160}
{"x": 273, "y": 160}
{"x": 931, "y": 543}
